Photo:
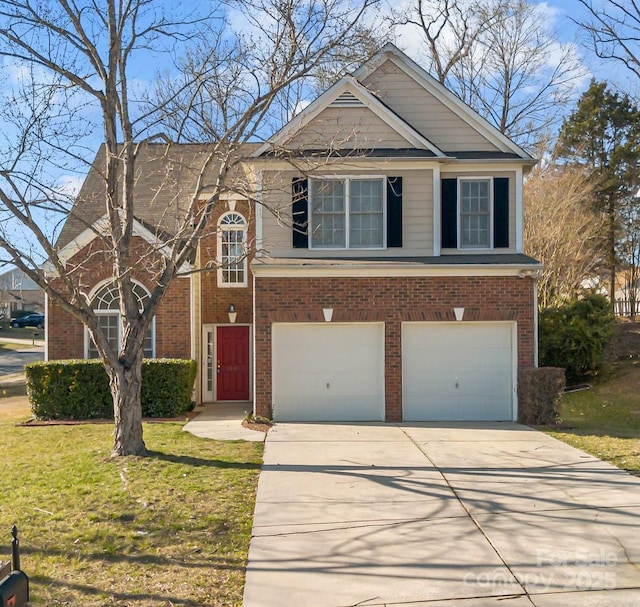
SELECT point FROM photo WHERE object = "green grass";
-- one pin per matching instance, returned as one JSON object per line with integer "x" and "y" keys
{"x": 20, "y": 332}
{"x": 7, "y": 347}
{"x": 169, "y": 529}
{"x": 605, "y": 421}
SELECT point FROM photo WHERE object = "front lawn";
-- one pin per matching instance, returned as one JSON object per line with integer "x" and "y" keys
{"x": 605, "y": 420}
{"x": 8, "y": 346}
{"x": 20, "y": 333}
{"x": 170, "y": 529}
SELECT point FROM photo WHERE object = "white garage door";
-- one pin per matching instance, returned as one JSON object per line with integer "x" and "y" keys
{"x": 458, "y": 371}
{"x": 328, "y": 372}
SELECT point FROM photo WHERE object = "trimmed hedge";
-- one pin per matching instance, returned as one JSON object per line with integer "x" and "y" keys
{"x": 540, "y": 393}
{"x": 79, "y": 389}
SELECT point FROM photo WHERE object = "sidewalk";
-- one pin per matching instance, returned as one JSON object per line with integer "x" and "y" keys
{"x": 223, "y": 422}
{"x": 12, "y": 379}
{"x": 36, "y": 343}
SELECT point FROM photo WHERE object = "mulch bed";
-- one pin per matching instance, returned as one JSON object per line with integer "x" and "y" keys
{"x": 256, "y": 426}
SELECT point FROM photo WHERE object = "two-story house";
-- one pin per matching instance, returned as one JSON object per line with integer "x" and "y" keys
{"x": 384, "y": 277}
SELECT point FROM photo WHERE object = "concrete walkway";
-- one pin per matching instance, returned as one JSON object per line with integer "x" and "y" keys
{"x": 437, "y": 515}
{"x": 223, "y": 422}
{"x": 13, "y": 361}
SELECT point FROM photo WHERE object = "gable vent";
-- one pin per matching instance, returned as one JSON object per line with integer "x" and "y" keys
{"x": 346, "y": 99}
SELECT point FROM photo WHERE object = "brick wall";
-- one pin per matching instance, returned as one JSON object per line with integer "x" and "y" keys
{"x": 216, "y": 300}
{"x": 392, "y": 300}
{"x": 92, "y": 266}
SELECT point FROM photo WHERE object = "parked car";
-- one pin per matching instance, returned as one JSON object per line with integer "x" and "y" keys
{"x": 30, "y": 320}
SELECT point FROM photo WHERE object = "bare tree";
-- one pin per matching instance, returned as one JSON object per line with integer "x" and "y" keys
{"x": 501, "y": 57}
{"x": 75, "y": 62}
{"x": 562, "y": 230}
{"x": 629, "y": 253}
{"x": 613, "y": 27}
{"x": 450, "y": 29}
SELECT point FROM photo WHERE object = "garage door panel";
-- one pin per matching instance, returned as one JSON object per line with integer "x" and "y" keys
{"x": 457, "y": 372}
{"x": 328, "y": 372}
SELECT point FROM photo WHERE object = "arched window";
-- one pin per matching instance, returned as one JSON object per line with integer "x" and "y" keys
{"x": 106, "y": 304}
{"x": 232, "y": 250}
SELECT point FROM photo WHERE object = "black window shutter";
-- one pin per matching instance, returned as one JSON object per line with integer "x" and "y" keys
{"x": 449, "y": 214}
{"x": 394, "y": 211}
{"x": 500, "y": 212}
{"x": 300, "y": 212}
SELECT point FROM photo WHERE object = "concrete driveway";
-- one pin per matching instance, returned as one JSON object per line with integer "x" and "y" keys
{"x": 474, "y": 515}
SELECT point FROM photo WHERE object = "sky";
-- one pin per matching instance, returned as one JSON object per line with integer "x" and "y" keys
{"x": 560, "y": 17}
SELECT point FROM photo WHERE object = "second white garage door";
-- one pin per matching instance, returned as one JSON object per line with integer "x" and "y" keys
{"x": 328, "y": 372}
{"x": 458, "y": 371}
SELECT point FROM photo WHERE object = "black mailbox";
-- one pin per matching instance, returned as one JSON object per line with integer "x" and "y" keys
{"x": 14, "y": 586}
{"x": 14, "y": 590}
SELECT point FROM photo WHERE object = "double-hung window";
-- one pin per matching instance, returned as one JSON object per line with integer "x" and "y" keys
{"x": 347, "y": 213}
{"x": 475, "y": 214}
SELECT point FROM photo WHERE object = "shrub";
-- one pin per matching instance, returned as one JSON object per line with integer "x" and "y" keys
{"x": 540, "y": 394}
{"x": 79, "y": 389}
{"x": 69, "y": 389}
{"x": 574, "y": 335}
{"x": 167, "y": 384}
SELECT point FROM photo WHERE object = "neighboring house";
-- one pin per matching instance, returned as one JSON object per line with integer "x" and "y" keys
{"x": 385, "y": 278}
{"x": 18, "y": 292}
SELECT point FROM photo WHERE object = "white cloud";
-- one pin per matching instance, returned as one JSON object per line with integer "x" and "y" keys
{"x": 69, "y": 185}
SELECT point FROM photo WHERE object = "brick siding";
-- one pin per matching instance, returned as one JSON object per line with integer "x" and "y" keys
{"x": 91, "y": 267}
{"x": 215, "y": 301}
{"x": 391, "y": 300}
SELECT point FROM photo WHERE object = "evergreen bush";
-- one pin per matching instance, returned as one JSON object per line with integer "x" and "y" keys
{"x": 79, "y": 389}
{"x": 574, "y": 335}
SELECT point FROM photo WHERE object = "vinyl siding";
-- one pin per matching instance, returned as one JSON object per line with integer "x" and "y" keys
{"x": 512, "y": 210}
{"x": 346, "y": 127}
{"x": 424, "y": 112}
{"x": 417, "y": 204}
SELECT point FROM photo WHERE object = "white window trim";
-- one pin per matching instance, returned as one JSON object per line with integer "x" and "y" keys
{"x": 245, "y": 229}
{"x": 87, "y": 336}
{"x": 347, "y": 195}
{"x": 489, "y": 179}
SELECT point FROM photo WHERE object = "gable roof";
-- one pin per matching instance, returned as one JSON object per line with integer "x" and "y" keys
{"x": 165, "y": 181}
{"x": 100, "y": 227}
{"x": 345, "y": 93}
{"x": 391, "y": 53}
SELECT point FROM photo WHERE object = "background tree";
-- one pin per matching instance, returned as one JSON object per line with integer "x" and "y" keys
{"x": 613, "y": 29}
{"x": 602, "y": 135}
{"x": 574, "y": 335}
{"x": 561, "y": 230}
{"x": 629, "y": 252}
{"x": 501, "y": 58}
{"x": 75, "y": 80}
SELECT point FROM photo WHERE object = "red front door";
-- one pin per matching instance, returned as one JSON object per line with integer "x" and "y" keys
{"x": 232, "y": 369}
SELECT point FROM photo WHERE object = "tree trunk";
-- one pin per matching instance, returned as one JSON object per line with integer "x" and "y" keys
{"x": 125, "y": 384}
{"x": 611, "y": 252}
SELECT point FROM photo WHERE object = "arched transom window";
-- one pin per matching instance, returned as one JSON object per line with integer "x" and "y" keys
{"x": 232, "y": 250}
{"x": 106, "y": 303}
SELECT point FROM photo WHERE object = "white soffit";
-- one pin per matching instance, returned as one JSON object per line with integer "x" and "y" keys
{"x": 395, "y": 269}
